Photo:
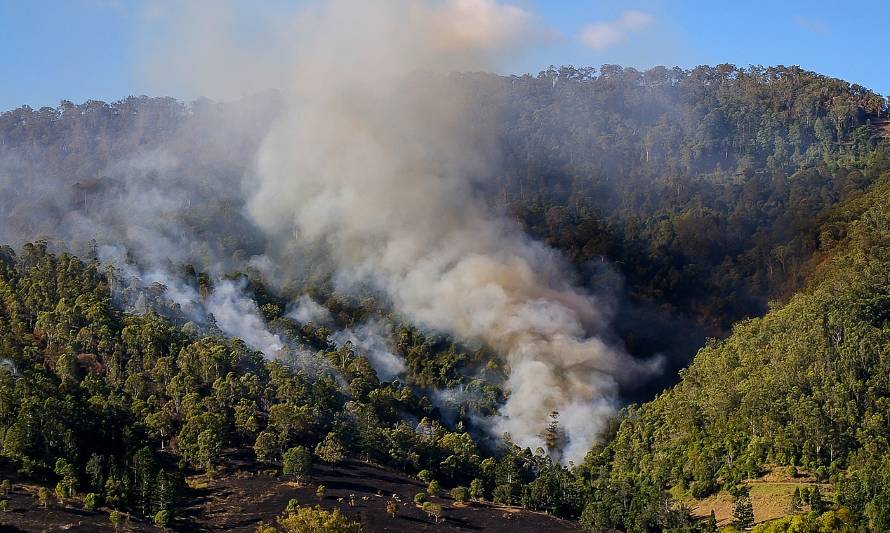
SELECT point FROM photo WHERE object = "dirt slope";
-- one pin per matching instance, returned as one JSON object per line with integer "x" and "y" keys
{"x": 240, "y": 495}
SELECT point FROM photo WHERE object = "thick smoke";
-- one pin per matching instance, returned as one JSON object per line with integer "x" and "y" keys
{"x": 237, "y": 315}
{"x": 227, "y": 306}
{"x": 376, "y": 165}
{"x": 380, "y": 165}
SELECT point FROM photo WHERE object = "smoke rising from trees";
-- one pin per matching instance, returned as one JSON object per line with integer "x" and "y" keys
{"x": 377, "y": 160}
{"x": 378, "y": 165}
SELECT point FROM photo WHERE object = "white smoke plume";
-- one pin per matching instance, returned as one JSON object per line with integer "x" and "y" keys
{"x": 304, "y": 310}
{"x": 377, "y": 161}
{"x": 237, "y": 315}
{"x": 371, "y": 339}
{"x": 234, "y": 312}
{"x": 379, "y": 164}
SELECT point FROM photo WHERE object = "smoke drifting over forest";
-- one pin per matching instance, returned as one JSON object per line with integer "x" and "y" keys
{"x": 378, "y": 165}
{"x": 376, "y": 161}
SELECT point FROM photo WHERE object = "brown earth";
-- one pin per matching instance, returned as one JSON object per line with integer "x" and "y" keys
{"x": 240, "y": 495}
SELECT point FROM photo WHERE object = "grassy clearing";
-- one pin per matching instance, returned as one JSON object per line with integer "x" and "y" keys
{"x": 770, "y": 497}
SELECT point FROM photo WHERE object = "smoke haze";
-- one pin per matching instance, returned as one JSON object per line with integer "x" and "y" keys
{"x": 380, "y": 165}
{"x": 376, "y": 165}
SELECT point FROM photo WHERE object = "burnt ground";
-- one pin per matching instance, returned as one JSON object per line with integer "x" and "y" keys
{"x": 241, "y": 495}
{"x": 24, "y": 514}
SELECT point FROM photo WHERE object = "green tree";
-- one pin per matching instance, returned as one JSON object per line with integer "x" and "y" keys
{"x": 267, "y": 447}
{"x": 743, "y": 512}
{"x": 502, "y": 494}
{"x": 95, "y": 472}
{"x": 68, "y": 484}
{"x": 331, "y": 449}
{"x": 43, "y": 496}
{"x": 432, "y": 509}
{"x": 477, "y": 489}
{"x": 297, "y": 461}
{"x": 817, "y": 503}
{"x": 160, "y": 424}
{"x": 209, "y": 449}
{"x": 164, "y": 492}
{"x": 89, "y": 501}
{"x": 796, "y": 504}
{"x": 60, "y": 493}
{"x": 116, "y": 518}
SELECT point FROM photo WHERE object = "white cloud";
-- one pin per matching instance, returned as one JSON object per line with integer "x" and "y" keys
{"x": 602, "y": 35}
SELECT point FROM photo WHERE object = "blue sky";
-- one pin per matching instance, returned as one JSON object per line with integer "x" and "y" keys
{"x": 82, "y": 49}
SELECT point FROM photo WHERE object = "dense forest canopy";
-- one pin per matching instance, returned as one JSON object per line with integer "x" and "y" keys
{"x": 747, "y": 204}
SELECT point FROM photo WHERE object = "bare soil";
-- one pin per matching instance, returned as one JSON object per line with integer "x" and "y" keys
{"x": 241, "y": 495}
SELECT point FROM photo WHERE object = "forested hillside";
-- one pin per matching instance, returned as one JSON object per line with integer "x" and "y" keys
{"x": 701, "y": 188}
{"x": 115, "y": 409}
{"x": 747, "y": 205}
{"x": 803, "y": 387}
{"x": 703, "y": 184}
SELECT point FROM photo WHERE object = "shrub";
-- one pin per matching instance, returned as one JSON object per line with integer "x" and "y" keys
{"x": 477, "y": 489}
{"x": 459, "y": 494}
{"x": 263, "y": 527}
{"x": 162, "y": 518}
{"x": 89, "y": 501}
{"x": 116, "y": 518}
{"x": 701, "y": 489}
{"x": 502, "y": 494}
{"x": 419, "y": 498}
{"x": 316, "y": 519}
